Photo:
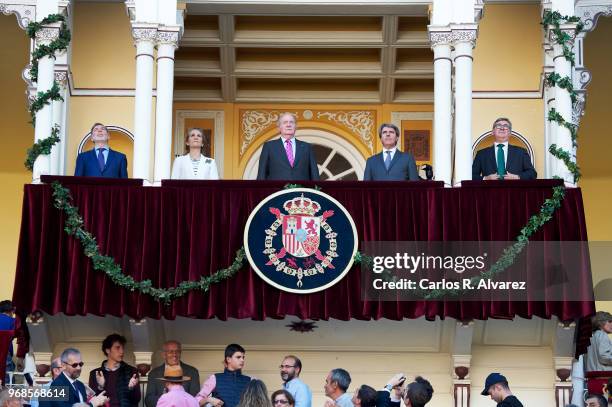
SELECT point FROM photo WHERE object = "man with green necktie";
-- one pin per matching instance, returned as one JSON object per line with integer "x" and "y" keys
{"x": 502, "y": 160}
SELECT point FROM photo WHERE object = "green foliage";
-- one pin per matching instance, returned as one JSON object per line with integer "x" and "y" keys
{"x": 59, "y": 44}
{"x": 41, "y": 147}
{"x": 45, "y": 98}
{"x": 73, "y": 225}
{"x": 555, "y": 19}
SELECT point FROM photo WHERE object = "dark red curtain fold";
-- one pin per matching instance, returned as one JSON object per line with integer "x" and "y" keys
{"x": 179, "y": 232}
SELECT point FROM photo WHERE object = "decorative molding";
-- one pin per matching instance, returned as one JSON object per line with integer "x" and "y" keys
{"x": 578, "y": 107}
{"x": 168, "y": 36}
{"x": 463, "y": 35}
{"x": 61, "y": 77}
{"x": 130, "y": 8}
{"x": 47, "y": 34}
{"x": 440, "y": 38}
{"x": 144, "y": 34}
{"x": 253, "y": 123}
{"x": 568, "y": 28}
{"x": 25, "y": 13}
{"x": 589, "y": 14}
{"x": 360, "y": 122}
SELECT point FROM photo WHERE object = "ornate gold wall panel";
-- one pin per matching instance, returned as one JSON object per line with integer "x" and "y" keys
{"x": 360, "y": 125}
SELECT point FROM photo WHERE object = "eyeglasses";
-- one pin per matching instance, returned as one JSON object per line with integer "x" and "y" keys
{"x": 280, "y": 401}
{"x": 74, "y": 365}
{"x": 286, "y": 366}
{"x": 502, "y": 127}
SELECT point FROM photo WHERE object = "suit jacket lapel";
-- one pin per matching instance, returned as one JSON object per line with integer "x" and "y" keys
{"x": 280, "y": 149}
{"x": 299, "y": 152}
{"x": 111, "y": 155}
{"x": 511, "y": 158}
{"x": 395, "y": 159}
{"x": 492, "y": 157}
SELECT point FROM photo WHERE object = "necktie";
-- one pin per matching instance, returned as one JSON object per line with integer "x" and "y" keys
{"x": 388, "y": 159}
{"x": 501, "y": 163}
{"x": 101, "y": 158}
{"x": 289, "y": 151}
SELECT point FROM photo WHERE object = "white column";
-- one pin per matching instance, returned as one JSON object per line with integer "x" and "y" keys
{"x": 57, "y": 156}
{"x": 578, "y": 381}
{"x": 563, "y": 105}
{"x": 44, "y": 117}
{"x": 167, "y": 43}
{"x": 442, "y": 160}
{"x": 144, "y": 38}
{"x": 465, "y": 38}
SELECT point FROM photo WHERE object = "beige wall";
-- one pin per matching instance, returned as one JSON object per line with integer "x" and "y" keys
{"x": 17, "y": 136}
{"x": 508, "y": 53}
{"x": 102, "y": 47}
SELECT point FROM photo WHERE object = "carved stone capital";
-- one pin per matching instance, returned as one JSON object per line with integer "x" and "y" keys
{"x": 144, "y": 34}
{"x": 47, "y": 34}
{"x": 24, "y": 13}
{"x": 168, "y": 36}
{"x": 440, "y": 38}
{"x": 463, "y": 35}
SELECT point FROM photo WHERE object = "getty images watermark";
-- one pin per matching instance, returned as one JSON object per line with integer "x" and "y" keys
{"x": 492, "y": 271}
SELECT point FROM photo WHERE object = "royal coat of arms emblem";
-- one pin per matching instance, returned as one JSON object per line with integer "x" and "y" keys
{"x": 308, "y": 236}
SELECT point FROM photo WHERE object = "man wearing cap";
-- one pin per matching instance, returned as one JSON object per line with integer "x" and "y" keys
{"x": 497, "y": 387}
{"x": 176, "y": 395}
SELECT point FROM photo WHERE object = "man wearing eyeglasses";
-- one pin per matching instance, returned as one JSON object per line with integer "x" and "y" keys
{"x": 172, "y": 358}
{"x": 502, "y": 160}
{"x": 290, "y": 369}
{"x": 67, "y": 381}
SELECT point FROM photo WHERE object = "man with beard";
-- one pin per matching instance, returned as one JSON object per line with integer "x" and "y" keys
{"x": 66, "y": 382}
{"x": 290, "y": 370}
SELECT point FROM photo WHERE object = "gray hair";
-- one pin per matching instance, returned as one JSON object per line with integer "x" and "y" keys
{"x": 68, "y": 352}
{"x": 502, "y": 119}
{"x": 341, "y": 377}
{"x": 278, "y": 122}
{"x": 56, "y": 363}
{"x": 172, "y": 341}
{"x": 389, "y": 125}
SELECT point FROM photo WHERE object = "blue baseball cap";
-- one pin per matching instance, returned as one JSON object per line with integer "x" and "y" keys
{"x": 492, "y": 379}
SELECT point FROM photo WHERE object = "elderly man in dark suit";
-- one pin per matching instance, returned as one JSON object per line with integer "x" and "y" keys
{"x": 502, "y": 160}
{"x": 391, "y": 164}
{"x": 287, "y": 159}
{"x": 101, "y": 161}
{"x": 172, "y": 357}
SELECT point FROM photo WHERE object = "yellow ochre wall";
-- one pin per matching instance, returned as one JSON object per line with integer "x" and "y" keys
{"x": 103, "y": 54}
{"x": 103, "y": 57}
{"x": 508, "y": 54}
{"x": 508, "y": 57}
{"x": 17, "y": 137}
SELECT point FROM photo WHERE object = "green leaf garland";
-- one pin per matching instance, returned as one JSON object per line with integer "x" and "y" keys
{"x": 45, "y": 98}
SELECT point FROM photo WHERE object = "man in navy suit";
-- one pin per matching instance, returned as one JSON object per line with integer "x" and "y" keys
{"x": 502, "y": 160}
{"x": 391, "y": 164}
{"x": 287, "y": 158}
{"x": 101, "y": 161}
{"x": 66, "y": 390}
